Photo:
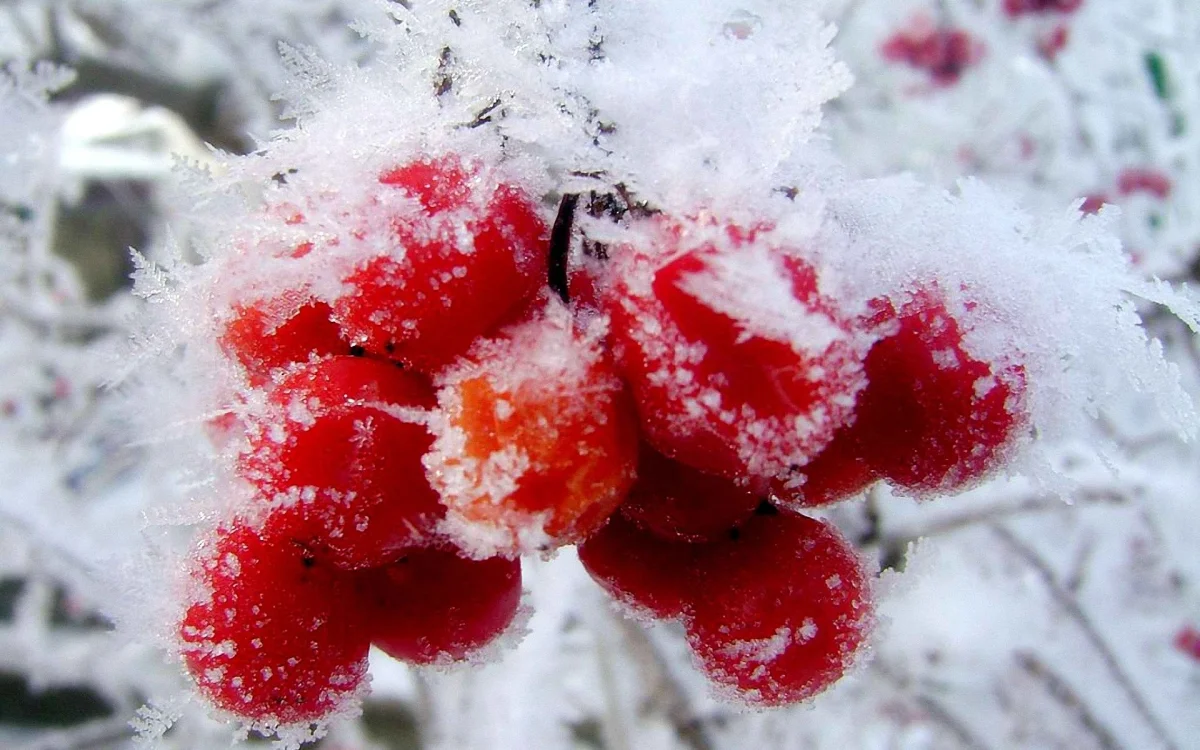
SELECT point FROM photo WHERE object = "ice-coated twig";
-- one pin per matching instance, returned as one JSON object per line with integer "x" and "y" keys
{"x": 931, "y": 705}
{"x": 615, "y": 735}
{"x": 996, "y": 513}
{"x": 1058, "y": 689}
{"x": 1071, "y": 606}
{"x": 665, "y": 692}
{"x": 423, "y": 707}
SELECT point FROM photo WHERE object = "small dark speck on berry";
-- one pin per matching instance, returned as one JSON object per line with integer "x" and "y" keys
{"x": 766, "y": 509}
{"x": 390, "y": 347}
{"x": 357, "y": 351}
{"x": 734, "y": 534}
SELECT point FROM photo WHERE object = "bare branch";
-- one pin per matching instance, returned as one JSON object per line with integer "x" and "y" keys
{"x": 936, "y": 710}
{"x": 1071, "y": 606}
{"x": 665, "y": 689}
{"x": 1062, "y": 692}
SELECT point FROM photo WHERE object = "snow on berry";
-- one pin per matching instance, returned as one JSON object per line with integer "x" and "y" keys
{"x": 268, "y": 637}
{"x": 434, "y": 606}
{"x": 838, "y": 472}
{"x": 267, "y": 336}
{"x": 784, "y": 610}
{"x": 466, "y": 249}
{"x": 932, "y": 419}
{"x": 740, "y": 360}
{"x": 337, "y": 459}
{"x": 535, "y": 438}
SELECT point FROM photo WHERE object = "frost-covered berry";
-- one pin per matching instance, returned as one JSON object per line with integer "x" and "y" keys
{"x": 648, "y": 574}
{"x": 784, "y": 608}
{"x": 338, "y": 457}
{"x": 675, "y": 501}
{"x": 932, "y": 418}
{"x": 268, "y": 637}
{"x": 470, "y": 248}
{"x": 536, "y": 438}
{"x": 739, "y": 364}
{"x": 435, "y": 606}
{"x": 838, "y": 472}
{"x": 268, "y": 335}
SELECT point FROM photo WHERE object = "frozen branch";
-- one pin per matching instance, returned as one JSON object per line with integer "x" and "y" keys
{"x": 1069, "y": 604}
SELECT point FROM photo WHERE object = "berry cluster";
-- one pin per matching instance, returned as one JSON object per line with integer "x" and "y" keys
{"x": 414, "y": 429}
{"x": 943, "y": 53}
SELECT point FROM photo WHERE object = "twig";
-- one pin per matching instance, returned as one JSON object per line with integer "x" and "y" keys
{"x": 424, "y": 708}
{"x": 932, "y": 706}
{"x": 1035, "y": 504}
{"x": 1062, "y": 692}
{"x": 1071, "y": 606}
{"x": 664, "y": 688}
{"x": 615, "y": 737}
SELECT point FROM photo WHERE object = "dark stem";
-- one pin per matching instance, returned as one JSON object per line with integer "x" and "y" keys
{"x": 560, "y": 246}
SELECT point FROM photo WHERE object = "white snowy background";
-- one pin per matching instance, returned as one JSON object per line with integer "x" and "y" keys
{"x": 1016, "y": 615}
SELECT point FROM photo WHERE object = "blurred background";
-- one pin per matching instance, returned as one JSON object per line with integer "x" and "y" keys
{"x": 1022, "y": 620}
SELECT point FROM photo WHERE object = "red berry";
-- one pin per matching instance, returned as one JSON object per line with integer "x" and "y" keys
{"x": 268, "y": 335}
{"x": 933, "y": 418}
{"x": 836, "y": 473}
{"x": 675, "y": 501}
{"x": 270, "y": 640}
{"x": 1054, "y": 41}
{"x": 435, "y": 606}
{"x": 469, "y": 252}
{"x": 1092, "y": 203}
{"x": 338, "y": 454}
{"x": 1144, "y": 180}
{"x": 739, "y": 365}
{"x": 536, "y": 439}
{"x": 1187, "y": 640}
{"x": 643, "y": 571}
{"x": 1016, "y": 8}
{"x": 784, "y": 607}
{"x": 943, "y": 53}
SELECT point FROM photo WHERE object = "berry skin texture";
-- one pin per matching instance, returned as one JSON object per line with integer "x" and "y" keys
{"x": 675, "y": 501}
{"x": 340, "y": 472}
{"x": 931, "y": 420}
{"x": 433, "y": 606}
{"x": 836, "y": 473}
{"x": 274, "y": 644}
{"x": 470, "y": 249}
{"x": 642, "y": 571}
{"x": 784, "y": 608}
{"x": 739, "y": 365}
{"x": 268, "y": 335}
{"x": 536, "y": 439}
